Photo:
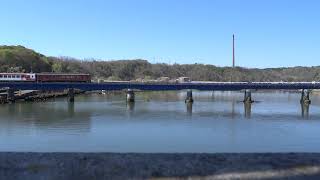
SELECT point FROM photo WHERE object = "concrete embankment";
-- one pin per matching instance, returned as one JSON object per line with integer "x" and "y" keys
{"x": 33, "y": 166}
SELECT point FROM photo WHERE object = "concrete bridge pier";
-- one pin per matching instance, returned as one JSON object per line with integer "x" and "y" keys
{"x": 247, "y": 97}
{"x": 189, "y": 98}
{"x": 71, "y": 95}
{"x": 10, "y": 95}
{"x": 305, "y": 97}
{"x": 130, "y": 95}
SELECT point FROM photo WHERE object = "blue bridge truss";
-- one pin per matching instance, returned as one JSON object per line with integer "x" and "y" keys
{"x": 223, "y": 86}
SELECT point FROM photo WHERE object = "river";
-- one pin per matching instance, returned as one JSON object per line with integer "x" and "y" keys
{"x": 162, "y": 122}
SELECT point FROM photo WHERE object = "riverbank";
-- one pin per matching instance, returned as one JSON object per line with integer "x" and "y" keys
{"x": 25, "y": 166}
{"x": 37, "y": 96}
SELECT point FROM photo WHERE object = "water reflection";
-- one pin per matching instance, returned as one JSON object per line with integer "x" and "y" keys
{"x": 189, "y": 108}
{"x": 71, "y": 109}
{"x": 247, "y": 109}
{"x": 130, "y": 106}
{"x": 60, "y": 115}
{"x": 305, "y": 110}
{"x": 161, "y": 96}
{"x": 233, "y": 113}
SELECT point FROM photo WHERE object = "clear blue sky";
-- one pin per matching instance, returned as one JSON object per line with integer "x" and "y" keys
{"x": 269, "y": 33}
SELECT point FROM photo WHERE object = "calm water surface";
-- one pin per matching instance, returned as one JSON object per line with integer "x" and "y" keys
{"x": 162, "y": 122}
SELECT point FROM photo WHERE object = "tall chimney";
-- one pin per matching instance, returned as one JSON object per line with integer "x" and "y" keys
{"x": 233, "y": 56}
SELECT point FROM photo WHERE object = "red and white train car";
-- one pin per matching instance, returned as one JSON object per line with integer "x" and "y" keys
{"x": 18, "y": 77}
{"x": 59, "y": 77}
{"x": 44, "y": 77}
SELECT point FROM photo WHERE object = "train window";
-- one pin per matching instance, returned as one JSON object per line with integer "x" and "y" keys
{"x": 1, "y": 76}
{"x": 5, "y": 76}
{"x": 18, "y": 76}
{"x": 9, "y": 76}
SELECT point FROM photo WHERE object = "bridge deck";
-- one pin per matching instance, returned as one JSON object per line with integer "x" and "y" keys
{"x": 225, "y": 86}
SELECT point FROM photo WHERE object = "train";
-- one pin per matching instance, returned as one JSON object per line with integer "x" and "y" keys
{"x": 44, "y": 77}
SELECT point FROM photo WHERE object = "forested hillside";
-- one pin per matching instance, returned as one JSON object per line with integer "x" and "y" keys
{"x": 21, "y": 59}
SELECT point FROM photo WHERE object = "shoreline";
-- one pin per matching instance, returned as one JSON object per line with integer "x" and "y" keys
{"x": 158, "y": 166}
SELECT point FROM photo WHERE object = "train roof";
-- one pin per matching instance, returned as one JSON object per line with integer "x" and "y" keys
{"x": 47, "y": 73}
{"x": 17, "y": 73}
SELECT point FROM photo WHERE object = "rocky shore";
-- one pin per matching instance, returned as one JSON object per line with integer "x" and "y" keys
{"x": 83, "y": 166}
{"x": 37, "y": 96}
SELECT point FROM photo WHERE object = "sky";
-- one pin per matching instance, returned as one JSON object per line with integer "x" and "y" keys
{"x": 268, "y": 33}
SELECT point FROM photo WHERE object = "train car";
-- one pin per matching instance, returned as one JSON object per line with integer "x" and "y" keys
{"x": 55, "y": 77}
{"x": 17, "y": 77}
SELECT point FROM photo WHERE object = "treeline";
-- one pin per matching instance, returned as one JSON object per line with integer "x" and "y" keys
{"x": 21, "y": 59}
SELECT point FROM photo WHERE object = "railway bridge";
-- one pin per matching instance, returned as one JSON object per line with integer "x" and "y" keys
{"x": 10, "y": 87}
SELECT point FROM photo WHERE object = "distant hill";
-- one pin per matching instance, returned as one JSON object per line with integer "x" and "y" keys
{"x": 21, "y": 59}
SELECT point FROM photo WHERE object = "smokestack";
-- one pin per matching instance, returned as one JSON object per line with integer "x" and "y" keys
{"x": 233, "y": 56}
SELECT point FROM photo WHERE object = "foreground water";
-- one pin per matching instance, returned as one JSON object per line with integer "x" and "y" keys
{"x": 162, "y": 122}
